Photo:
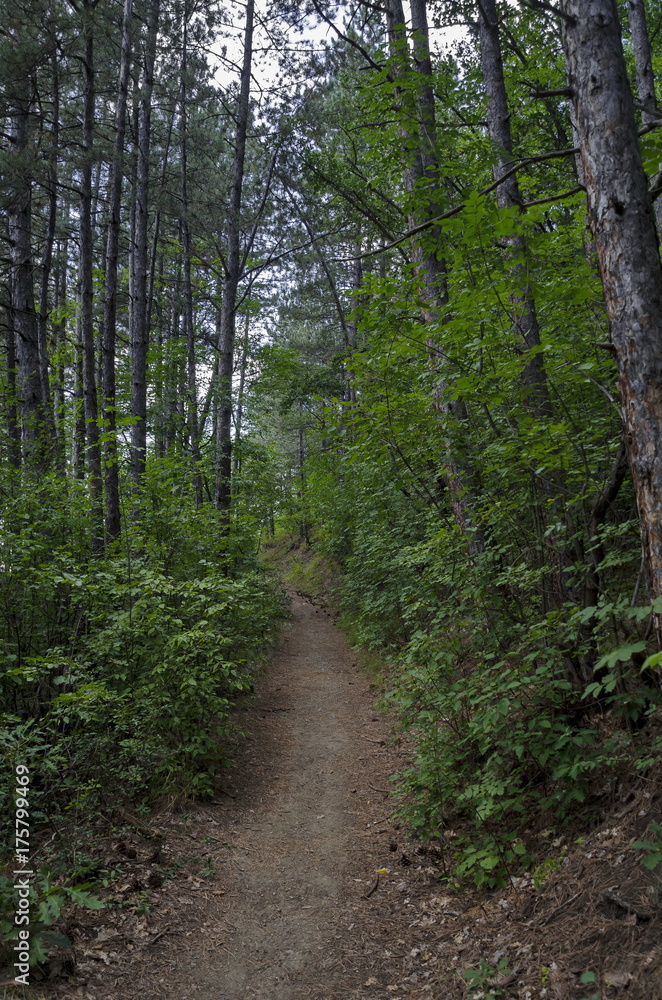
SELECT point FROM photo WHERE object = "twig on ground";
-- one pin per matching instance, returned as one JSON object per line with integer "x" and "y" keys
{"x": 368, "y": 894}
{"x": 160, "y": 935}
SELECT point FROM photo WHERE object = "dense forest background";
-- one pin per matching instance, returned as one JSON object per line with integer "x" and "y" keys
{"x": 393, "y": 303}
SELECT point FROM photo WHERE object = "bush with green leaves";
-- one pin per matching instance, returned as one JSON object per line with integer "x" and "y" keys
{"x": 48, "y": 899}
{"x": 485, "y": 679}
{"x": 120, "y": 670}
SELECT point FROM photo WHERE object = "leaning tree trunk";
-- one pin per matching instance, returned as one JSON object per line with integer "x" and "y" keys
{"x": 223, "y": 494}
{"x": 86, "y": 288}
{"x": 622, "y": 221}
{"x": 138, "y": 331}
{"x": 109, "y": 322}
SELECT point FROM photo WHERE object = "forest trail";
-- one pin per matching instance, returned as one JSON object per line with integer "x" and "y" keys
{"x": 287, "y": 884}
{"x": 287, "y": 917}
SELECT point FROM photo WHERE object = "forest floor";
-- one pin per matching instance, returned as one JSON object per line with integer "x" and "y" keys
{"x": 299, "y": 883}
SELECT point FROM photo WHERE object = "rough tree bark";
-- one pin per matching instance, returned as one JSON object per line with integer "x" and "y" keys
{"x": 60, "y": 340}
{"x": 643, "y": 67}
{"x": 23, "y": 313}
{"x": 11, "y": 409}
{"x": 138, "y": 331}
{"x": 109, "y": 322}
{"x": 622, "y": 221}
{"x": 86, "y": 286}
{"x": 47, "y": 259}
{"x": 223, "y": 494}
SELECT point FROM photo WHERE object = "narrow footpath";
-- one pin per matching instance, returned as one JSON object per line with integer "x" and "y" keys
{"x": 298, "y": 883}
{"x": 294, "y": 871}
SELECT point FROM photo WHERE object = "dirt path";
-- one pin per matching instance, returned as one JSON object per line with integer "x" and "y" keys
{"x": 274, "y": 904}
{"x": 292, "y": 869}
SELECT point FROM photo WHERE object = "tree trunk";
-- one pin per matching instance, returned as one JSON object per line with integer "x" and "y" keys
{"x": 643, "y": 66}
{"x": 11, "y": 409}
{"x": 23, "y": 314}
{"x": 47, "y": 260}
{"x": 86, "y": 288}
{"x": 60, "y": 340}
{"x": 643, "y": 63}
{"x": 189, "y": 331}
{"x": 138, "y": 331}
{"x": 236, "y": 460}
{"x": 621, "y": 218}
{"x": 223, "y": 495}
{"x": 525, "y": 320}
{"x": 109, "y": 323}
{"x": 78, "y": 443}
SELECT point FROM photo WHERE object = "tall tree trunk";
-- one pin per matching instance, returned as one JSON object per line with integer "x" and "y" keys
{"x": 109, "y": 322}
{"x": 223, "y": 495}
{"x": 525, "y": 320}
{"x": 622, "y": 221}
{"x": 189, "y": 332}
{"x": 86, "y": 287}
{"x": 47, "y": 261}
{"x": 643, "y": 66}
{"x": 60, "y": 340}
{"x": 23, "y": 313}
{"x": 236, "y": 458}
{"x": 11, "y": 409}
{"x": 78, "y": 443}
{"x": 139, "y": 333}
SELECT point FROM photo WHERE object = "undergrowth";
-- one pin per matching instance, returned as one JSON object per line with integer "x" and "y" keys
{"x": 509, "y": 739}
{"x": 120, "y": 669}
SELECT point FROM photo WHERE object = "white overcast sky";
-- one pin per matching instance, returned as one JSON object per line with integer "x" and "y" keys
{"x": 314, "y": 37}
